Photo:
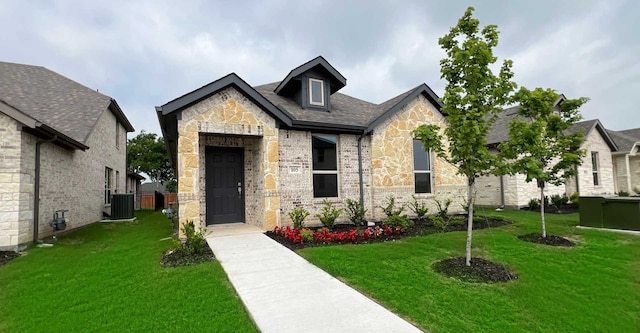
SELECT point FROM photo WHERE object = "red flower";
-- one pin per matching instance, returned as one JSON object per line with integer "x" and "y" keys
{"x": 398, "y": 229}
{"x": 366, "y": 234}
{"x": 387, "y": 231}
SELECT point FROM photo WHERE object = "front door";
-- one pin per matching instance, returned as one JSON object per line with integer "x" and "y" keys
{"x": 224, "y": 169}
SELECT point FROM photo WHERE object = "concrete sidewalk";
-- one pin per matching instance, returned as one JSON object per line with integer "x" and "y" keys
{"x": 285, "y": 293}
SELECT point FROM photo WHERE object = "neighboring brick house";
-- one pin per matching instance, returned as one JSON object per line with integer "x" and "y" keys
{"x": 252, "y": 154}
{"x": 626, "y": 160}
{"x": 594, "y": 176}
{"x": 133, "y": 186}
{"x": 62, "y": 146}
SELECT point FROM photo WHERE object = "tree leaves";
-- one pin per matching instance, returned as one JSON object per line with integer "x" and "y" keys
{"x": 147, "y": 153}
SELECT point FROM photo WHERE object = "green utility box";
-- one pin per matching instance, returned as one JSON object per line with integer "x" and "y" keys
{"x": 610, "y": 212}
{"x": 591, "y": 212}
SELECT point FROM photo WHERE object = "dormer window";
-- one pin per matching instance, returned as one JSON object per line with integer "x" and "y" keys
{"x": 316, "y": 92}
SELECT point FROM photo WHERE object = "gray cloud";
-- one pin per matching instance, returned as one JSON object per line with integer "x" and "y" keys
{"x": 145, "y": 53}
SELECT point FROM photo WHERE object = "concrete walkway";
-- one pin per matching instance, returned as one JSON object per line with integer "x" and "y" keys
{"x": 285, "y": 293}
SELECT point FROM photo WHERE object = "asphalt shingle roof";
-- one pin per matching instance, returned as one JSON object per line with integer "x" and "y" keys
{"x": 500, "y": 130}
{"x": 625, "y": 139}
{"x": 52, "y": 99}
{"x": 345, "y": 110}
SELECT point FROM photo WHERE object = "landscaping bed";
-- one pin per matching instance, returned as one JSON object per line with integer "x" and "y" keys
{"x": 350, "y": 234}
{"x": 481, "y": 270}
{"x": 6, "y": 256}
{"x": 549, "y": 240}
{"x": 178, "y": 257}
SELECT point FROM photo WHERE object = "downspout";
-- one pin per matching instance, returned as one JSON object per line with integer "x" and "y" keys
{"x": 36, "y": 188}
{"x": 360, "y": 176}
{"x": 626, "y": 162}
{"x": 501, "y": 191}
{"x": 577, "y": 180}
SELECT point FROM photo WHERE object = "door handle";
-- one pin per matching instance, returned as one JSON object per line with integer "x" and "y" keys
{"x": 239, "y": 189}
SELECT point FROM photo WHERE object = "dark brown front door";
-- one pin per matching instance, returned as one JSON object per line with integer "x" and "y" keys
{"x": 224, "y": 185}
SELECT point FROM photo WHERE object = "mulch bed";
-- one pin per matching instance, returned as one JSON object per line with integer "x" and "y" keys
{"x": 481, "y": 270}
{"x": 6, "y": 256}
{"x": 549, "y": 240}
{"x": 566, "y": 209}
{"x": 177, "y": 258}
{"x": 421, "y": 228}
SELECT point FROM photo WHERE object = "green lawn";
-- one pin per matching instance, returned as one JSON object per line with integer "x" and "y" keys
{"x": 594, "y": 287}
{"x": 107, "y": 278}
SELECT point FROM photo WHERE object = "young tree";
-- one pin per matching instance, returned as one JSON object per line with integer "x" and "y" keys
{"x": 147, "y": 153}
{"x": 540, "y": 145}
{"x": 472, "y": 98}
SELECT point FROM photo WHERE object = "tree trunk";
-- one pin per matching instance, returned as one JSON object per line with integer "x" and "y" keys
{"x": 542, "y": 204}
{"x": 471, "y": 189}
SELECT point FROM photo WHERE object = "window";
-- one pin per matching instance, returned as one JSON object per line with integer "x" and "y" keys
{"x": 316, "y": 92}
{"x": 117, "y": 181}
{"x": 117, "y": 135}
{"x": 108, "y": 182}
{"x": 595, "y": 164}
{"x": 325, "y": 166}
{"x": 421, "y": 168}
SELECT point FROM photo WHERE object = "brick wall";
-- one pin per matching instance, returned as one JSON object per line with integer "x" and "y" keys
{"x": 595, "y": 143}
{"x": 69, "y": 179}
{"x": 16, "y": 208}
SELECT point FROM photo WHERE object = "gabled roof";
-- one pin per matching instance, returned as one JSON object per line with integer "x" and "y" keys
{"x": 626, "y": 139}
{"x": 55, "y": 103}
{"x": 500, "y": 130}
{"x": 348, "y": 114}
{"x": 589, "y": 125}
{"x": 337, "y": 81}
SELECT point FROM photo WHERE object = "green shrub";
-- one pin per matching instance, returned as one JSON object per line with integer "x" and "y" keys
{"x": 574, "y": 198}
{"x": 329, "y": 214}
{"x": 418, "y": 208}
{"x": 195, "y": 241}
{"x": 356, "y": 212}
{"x": 534, "y": 204}
{"x": 390, "y": 209}
{"x": 439, "y": 222}
{"x": 623, "y": 193}
{"x": 398, "y": 220}
{"x": 307, "y": 235}
{"x": 298, "y": 215}
{"x": 443, "y": 207}
{"x": 558, "y": 200}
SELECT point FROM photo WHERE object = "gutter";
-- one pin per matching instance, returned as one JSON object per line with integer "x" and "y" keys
{"x": 36, "y": 188}
{"x": 360, "y": 176}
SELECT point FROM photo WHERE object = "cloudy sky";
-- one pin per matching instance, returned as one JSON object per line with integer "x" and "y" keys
{"x": 146, "y": 53}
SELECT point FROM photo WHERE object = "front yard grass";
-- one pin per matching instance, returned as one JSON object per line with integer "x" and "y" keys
{"x": 592, "y": 287}
{"x": 107, "y": 278}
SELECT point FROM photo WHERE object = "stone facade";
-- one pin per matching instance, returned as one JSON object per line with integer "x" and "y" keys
{"x": 69, "y": 179}
{"x": 278, "y": 162}
{"x": 229, "y": 119}
{"x": 517, "y": 192}
{"x": 392, "y": 161}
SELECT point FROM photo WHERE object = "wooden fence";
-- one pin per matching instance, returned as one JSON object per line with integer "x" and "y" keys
{"x": 148, "y": 200}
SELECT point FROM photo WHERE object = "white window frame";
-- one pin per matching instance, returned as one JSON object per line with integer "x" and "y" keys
{"x": 595, "y": 168}
{"x": 117, "y": 135}
{"x": 413, "y": 156}
{"x": 108, "y": 183}
{"x": 327, "y": 172}
{"x": 311, "y": 102}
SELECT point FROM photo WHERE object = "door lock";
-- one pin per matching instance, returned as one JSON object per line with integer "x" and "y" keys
{"x": 239, "y": 189}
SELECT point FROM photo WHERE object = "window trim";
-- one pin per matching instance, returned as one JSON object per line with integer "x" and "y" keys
{"x": 117, "y": 135}
{"x": 108, "y": 183}
{"x": 595, "y": 168}
{"x": 311, "y": 102}
{"x": 420, "y": 171}
{"x": 326, "y": 172}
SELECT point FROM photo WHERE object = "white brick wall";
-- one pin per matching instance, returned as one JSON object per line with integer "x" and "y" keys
{"x": 72, "y": 180}
{"x": 518, "y": 192}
